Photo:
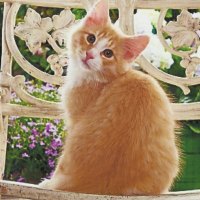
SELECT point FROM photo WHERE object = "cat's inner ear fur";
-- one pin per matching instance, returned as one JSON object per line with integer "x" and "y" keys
{"x": 133, "y": 46}
{"x": 99, "y": 15}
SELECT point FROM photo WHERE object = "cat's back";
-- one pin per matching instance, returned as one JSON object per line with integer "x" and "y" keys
{"x": 141, "y": 88}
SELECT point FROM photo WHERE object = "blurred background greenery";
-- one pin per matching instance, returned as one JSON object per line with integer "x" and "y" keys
{"x": 33, "y": 144}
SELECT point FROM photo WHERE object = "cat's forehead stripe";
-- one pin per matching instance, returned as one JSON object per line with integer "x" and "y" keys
{"x": 111, "y": 43}
{"x": 108, "y": 38}
{"x": 104, "y": 35}
{"x": 102, "y": 44}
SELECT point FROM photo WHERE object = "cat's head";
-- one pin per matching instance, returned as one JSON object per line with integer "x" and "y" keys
{"x": 99, "y": 47}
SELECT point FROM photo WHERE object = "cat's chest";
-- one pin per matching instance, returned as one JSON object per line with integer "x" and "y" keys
{"x": 78, "y": 99}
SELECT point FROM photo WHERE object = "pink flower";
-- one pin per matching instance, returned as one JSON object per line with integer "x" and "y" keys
{"x": 57, "y": 121}
{"x": 12, "y": 118}
{"x": 42, "y": 143}
{"x": 25, "y": 155}
{"x": 21, "y": 179}
{"x": 19, "y": 146}
{"x": 32, "y": 137}
{"x": 32, "y": 145}
{"x": 30, "y": 88}
{"x": 39, "y": 52}
{"x": 31, "y": 124}
{"x": 24, "y": 128}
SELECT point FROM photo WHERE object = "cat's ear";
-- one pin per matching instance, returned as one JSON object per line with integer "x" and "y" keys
{"x": 133, "y": 46}
{"x": 99, "y": 15}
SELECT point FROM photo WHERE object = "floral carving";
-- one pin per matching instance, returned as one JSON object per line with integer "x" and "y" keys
{"x": 190, "y": 65}
{"x": 185, "y": 31}
{"x": 34, "y": 30}
{"x": 57, "y": 62}
{"x": 61, "y": 25}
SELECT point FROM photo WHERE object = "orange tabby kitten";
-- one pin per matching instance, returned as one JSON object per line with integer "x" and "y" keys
{"x": 121, "y": 129}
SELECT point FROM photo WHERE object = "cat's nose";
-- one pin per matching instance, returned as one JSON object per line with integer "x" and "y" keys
{"x": 89, "y": 56}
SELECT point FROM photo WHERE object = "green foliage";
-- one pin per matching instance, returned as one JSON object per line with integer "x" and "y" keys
{"x": 79, "y": 13}
{"x": 33, "y": 144}
{"x": 189, "y": 177}
{"x": 30, "y": 148}
{"x": 194, "y": 127}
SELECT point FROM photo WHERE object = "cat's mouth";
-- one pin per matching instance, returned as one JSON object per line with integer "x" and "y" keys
{"x": 85, "y": 64}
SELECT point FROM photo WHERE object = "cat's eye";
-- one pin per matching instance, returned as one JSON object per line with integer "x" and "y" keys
{"x": 91, "y": 38}
{"x": 108, "y": 53}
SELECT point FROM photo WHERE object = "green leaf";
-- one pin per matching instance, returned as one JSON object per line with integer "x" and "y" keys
{"x": 184, "y": 48}
{"x": 195, "y": 127}
{"x": 169, "y": 14}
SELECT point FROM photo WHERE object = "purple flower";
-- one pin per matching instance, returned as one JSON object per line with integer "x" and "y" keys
{"x": 48, "y": 87}
{"x": 30, "y": 88}
{"x": 54, "y": 153}
{"x": 42, "y": 143}
{"x": 34, "y": 132}
{"x": 19, "y": 146}
{"x": 24, "y": 128}
{"x": 32, "y": 137}
{"x": 51, "y": 152}
{"x": 25, "y": 155}
{"x": 51, "y": 163}
{"x": 51, "y": 174}
{"x": 20, "y": 179}
{"x": 13, "y": 95}
{"x": 50, "y": 127}
{"x": 32, "y": 145}
{"x": 12, "y": 118}
{"x": 46, "y": 133}
{"x": 48, "y": 152}
{"x": 15, "y": 98}
{"x": 56, "y": 121}
{"x": 56, "y": 143}
{"x": 53, "y": 129}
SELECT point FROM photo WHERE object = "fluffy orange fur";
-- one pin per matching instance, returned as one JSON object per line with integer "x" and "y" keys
{"x": 121, "y": 126}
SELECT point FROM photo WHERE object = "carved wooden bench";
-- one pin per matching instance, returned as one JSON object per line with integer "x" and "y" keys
{"x": 44, "y": 109}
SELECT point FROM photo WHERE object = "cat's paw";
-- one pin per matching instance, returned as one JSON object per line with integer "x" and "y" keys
{"x": 46, "y": 184}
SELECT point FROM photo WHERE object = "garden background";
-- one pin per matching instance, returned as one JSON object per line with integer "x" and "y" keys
{"x": 34, "y": 144}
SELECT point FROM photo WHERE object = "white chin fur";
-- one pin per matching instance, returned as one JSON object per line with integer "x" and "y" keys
{"x": 77, "y": 74}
